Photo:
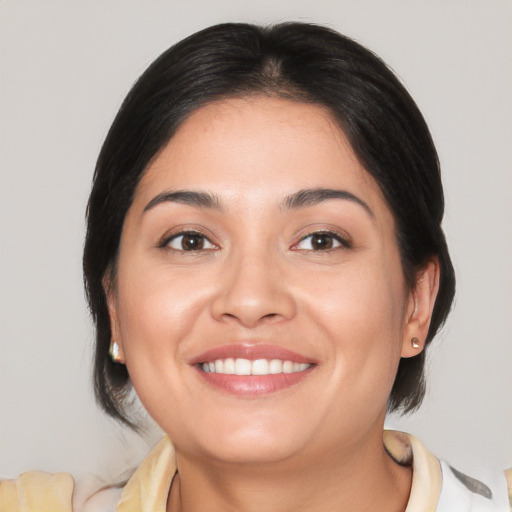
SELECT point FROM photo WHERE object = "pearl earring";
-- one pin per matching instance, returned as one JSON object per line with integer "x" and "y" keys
{"x": 415, "y": 342}
{"x": 114, "y": 352}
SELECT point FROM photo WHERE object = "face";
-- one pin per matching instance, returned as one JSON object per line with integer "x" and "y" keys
{"x": 259, "y": 300}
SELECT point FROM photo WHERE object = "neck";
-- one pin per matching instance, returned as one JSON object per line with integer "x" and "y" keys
{"x": 363, "y": 479}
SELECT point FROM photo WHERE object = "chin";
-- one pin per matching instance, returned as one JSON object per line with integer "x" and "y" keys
{"x": 255, "y": 450}
{"x": 247, "y": 442}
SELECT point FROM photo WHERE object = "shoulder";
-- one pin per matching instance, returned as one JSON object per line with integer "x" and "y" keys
{"x": 35, "y": 491}
{"x": 437, "y": 486}
{"x": 144, "y": 489}
{"x": 483, "y": 490}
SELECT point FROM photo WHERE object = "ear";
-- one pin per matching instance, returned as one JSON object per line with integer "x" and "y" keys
{"x": 115, "y": 331}
{"x": 419, "y": 308}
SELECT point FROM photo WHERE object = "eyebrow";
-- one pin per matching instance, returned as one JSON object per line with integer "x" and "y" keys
{"x": 192, "y": 198}
{"x": 300, "y": 199}
{"x": 313, "y": 196}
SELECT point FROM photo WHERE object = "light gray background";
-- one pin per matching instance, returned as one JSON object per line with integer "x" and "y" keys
{"x": 65, "y": 67}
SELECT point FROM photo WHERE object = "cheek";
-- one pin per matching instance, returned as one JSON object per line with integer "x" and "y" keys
{"x": 361, "y": 310}
{"x": 360, "y": 299}
{"x": 159, "y": 317}
{"x": 158, "y": 314}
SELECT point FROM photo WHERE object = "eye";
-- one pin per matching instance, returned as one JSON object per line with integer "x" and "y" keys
{"x": 321, "y": 241}
{"x": 189, "y": 241}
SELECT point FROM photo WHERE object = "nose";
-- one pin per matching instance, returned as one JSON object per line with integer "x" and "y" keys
{"x": 252, "y": 291}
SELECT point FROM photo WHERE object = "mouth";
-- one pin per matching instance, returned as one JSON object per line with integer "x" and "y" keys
{"x": 252, "y": 370}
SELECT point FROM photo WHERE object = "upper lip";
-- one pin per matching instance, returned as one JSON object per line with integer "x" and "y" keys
{"x": 251, "y": 352}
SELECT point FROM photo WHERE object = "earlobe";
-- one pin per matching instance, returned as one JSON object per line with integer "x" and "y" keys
{"x": 419, "y": 310}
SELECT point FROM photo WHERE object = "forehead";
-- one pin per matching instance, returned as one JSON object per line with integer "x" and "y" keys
{"x": 258, "y": 147}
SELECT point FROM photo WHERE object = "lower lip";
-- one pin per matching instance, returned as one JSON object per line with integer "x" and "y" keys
{"x": 253, "y": 385}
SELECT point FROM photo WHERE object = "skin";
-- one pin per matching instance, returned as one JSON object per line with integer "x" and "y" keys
{"x": 316, "y": 445}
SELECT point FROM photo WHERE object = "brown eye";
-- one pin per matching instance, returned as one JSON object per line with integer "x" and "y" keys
{"x": 322, "y": 241}
{"x": 189, "y": 241}
{"x": 192, "y": 242}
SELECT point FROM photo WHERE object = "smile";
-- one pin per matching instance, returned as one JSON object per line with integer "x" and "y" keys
{"x": 240, "y": 366}
{"x": 251, "y": 370}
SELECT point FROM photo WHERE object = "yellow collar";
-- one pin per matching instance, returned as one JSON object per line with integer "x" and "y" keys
{"x": 149, "y": 486}
{"x": 426, "y": 470}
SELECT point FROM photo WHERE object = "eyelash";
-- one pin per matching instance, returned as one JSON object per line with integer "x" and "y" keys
{"x": 332, "y": 236}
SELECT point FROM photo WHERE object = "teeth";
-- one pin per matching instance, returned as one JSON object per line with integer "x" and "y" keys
{"x": 241, "y": 366}
{"x": 276, "y": 366}
{"x": 260, "y": 367}
{"x": 229, "y": 366}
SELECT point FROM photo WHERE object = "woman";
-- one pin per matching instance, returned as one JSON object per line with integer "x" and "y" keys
{"x": 265, "y": 264}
